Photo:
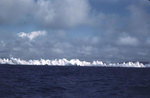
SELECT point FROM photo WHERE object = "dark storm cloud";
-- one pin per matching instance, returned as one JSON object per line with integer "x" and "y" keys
{"x": 112, "y": 30}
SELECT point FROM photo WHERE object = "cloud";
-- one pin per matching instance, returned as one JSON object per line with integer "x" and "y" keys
{"x": 15, "y": 11}
{"x": 75, "y": 29}
{"x": 138, "y": 21}
{"x": 31, "y": 35}
{"x": 44, "y": 13}
{"x": 127, "y": 40}
{"x": 56, "y": 14}
{"x": 148, "y": 41}
{"x": 2, "y": 44}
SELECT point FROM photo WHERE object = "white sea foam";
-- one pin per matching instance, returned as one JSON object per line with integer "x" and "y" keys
{"x": 65, "y": 62}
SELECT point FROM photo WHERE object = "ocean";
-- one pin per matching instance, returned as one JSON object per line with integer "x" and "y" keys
{"x": 27, "y": 81}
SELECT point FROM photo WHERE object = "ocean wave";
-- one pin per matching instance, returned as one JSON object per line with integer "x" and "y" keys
{"x": 65, "y": 62}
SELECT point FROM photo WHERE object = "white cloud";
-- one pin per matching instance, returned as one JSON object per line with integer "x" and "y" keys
{"x": 57, "y": 50}
{"x": 2, "y": 44}
{"x": 15, "y": 10}
{"x": 148, "y": 41}
{"x": 47, "y": 13}
{"x": 91, "y": 40}
{"x": 31, "y": 35}
{"x": 128, "y": 41}
{"x": 67, "y": 13}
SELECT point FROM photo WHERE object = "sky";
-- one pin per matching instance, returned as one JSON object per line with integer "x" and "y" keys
{"x": 107, "y": 30}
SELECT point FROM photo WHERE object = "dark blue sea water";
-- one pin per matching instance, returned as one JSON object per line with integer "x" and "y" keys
{"x": 20, "y": 81}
